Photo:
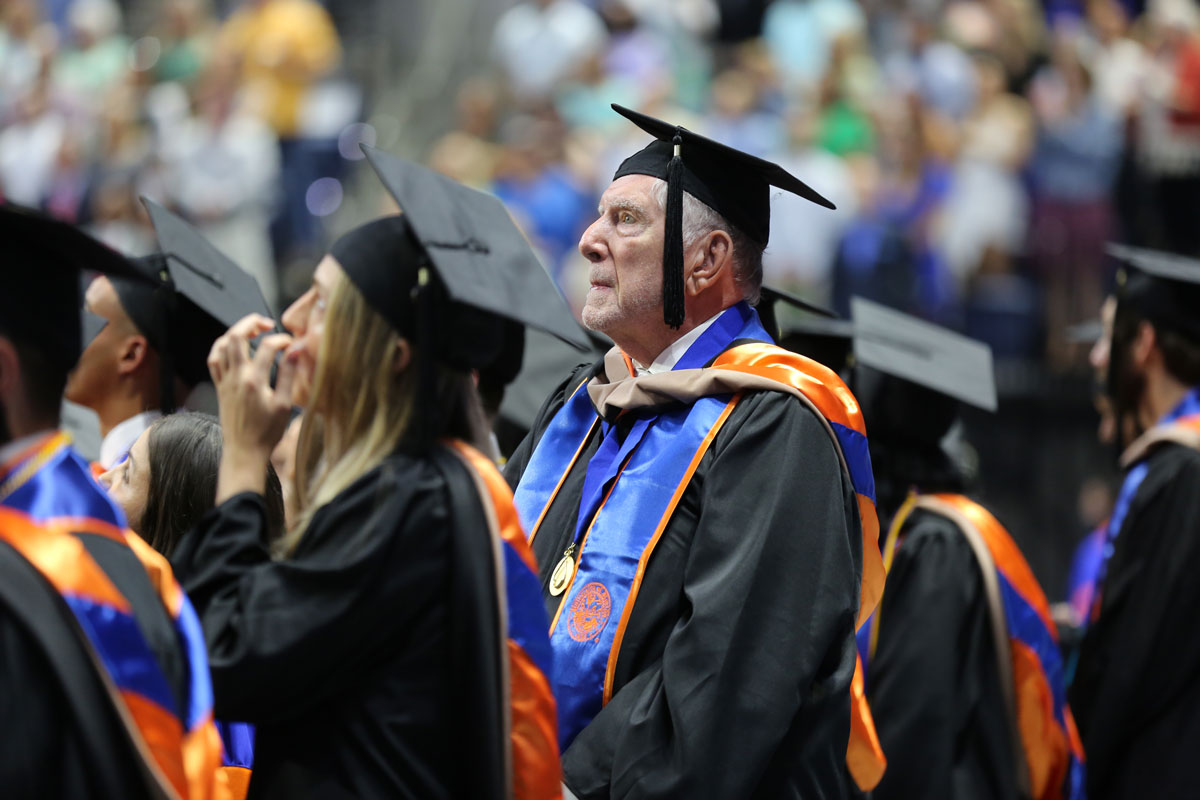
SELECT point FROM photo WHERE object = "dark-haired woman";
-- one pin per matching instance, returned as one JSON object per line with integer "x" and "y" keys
{"x": 168, "y": 480}
{"x": 165, "y": 484}
{"x": 367, "y": 653}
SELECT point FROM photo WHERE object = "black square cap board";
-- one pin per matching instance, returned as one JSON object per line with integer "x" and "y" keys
{"x": 201, "y": 273}
{"x": 928, "y": 355}
{"x": 476, "y": 249}
{"x": 735, "y": 184}
{"x": 1164, "y": 287}
{"x": 45, "y": 261}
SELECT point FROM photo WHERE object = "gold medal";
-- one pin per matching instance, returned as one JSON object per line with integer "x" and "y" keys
{"x": 563, "y": 572}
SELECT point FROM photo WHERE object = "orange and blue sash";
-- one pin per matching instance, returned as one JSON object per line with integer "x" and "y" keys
{"x": 48, "y": 494}
{"x": 1187, "y": 412}
{"x": 1053, "y": 751}
{"x": 237, "y": 741}
{"x": 534, "y": 755}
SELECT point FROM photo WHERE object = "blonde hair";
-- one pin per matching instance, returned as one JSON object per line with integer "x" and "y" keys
{"x": 362, "y": 408}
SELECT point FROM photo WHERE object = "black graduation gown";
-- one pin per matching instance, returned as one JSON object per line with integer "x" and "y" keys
{"x": 63, "y": 737}
{"x": 733, "y": 678}
{"x": 933, "y": 683}
{"x": 349, "y": 656}
{"x": 1136, "y": 694}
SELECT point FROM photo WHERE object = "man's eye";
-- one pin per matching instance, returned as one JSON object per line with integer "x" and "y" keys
{"x": 625, "y": 218}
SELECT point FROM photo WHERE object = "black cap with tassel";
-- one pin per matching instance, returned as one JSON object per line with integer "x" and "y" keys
{"x": 736, "y": 185}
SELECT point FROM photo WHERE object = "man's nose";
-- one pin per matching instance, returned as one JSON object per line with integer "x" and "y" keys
{"x": 591, "y": 244}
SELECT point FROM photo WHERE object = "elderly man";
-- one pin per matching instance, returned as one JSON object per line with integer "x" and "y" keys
{"x": 700, "y": 504}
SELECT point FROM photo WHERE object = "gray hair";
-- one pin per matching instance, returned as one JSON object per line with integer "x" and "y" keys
{"x": 699, "y": 220}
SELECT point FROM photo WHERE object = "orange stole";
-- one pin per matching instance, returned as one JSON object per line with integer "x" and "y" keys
{"x": 829, "y": 394}
{"x": 184, "y": 765}
{"x": 533, "y": 741}
{"x": 1049, "y": 746}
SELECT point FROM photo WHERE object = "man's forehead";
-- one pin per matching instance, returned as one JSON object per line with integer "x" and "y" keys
{"x": 630, "y": 190}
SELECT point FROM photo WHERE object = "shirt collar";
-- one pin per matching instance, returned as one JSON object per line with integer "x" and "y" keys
{"x": 121, "y": 438}
{"x": 669, "y": 357}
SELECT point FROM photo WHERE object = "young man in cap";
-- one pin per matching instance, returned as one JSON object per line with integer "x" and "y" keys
{"x": 700, "y": 504}
{"x": 104, "y": 681}
{"x": 146, "y": 347}
{"x": 961, "y": 659}
{"x": 1135, "y": 692}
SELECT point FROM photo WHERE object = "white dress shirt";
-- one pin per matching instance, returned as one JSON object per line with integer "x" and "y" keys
{"x": 668, "y": 358}
{"x": 121, "y": 438}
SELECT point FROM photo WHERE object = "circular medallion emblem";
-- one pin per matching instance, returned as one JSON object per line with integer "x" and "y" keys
{"x": 589, "y": 612}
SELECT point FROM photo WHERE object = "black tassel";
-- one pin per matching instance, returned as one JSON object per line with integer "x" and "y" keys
{"x": 426, "y": 375}
{"x": 673, "y": 305}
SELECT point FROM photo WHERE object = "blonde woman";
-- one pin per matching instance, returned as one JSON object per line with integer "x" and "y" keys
{"x": 391, "y": 649}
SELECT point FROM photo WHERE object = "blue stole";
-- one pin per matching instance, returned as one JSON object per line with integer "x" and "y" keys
{"x": 62, "y": 488}
{"x": 1188, "y": 407}
{"x": 630, "y": 491}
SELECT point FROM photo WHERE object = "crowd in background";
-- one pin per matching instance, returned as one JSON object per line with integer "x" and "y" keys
{"x": 980, "y": 152}
{"x": 219, "y": 119}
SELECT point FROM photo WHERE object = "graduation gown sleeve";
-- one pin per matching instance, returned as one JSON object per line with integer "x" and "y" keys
{"x": 750, "y": 696}
{"x": 1136, "y": 693}
{"x": 284, "y": 636}
{"x": 933, "y": 681}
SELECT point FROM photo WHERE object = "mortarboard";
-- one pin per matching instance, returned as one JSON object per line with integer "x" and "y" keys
{"x": 920, "y": 352}
{"x": 196, "y": 294}
{"x": 820, "y": 335}
{"x": 1163, "y": 287}
{"x": 476, "y": 250}
{"x": 40, "y": 304}
{"x": 736, "y": 185}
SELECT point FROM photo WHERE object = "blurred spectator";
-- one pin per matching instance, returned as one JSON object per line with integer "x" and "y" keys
{"x": 987, "y": 209}
{"x": 223, "y": 165}
{"x": 550, "y": 204}
{"x": 21, "y": 53}
{"x": 95, "y": 57}
{"x": 540, "y": 43}
{"x": 1074, "y": 169}
{"x": 284, "y": 49}
{"x": 1169, "y": 125}
{"x": 29, "y": 147}
{"x": 186, "y": 33}
{"x": 801, "y": 36}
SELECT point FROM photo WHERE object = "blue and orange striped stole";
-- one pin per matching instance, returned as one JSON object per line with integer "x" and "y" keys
{"x": 48, "y": 498}
{"x": 1051, "y": 750}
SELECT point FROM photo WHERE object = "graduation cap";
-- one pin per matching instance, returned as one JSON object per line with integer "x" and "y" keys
{"x": 821, "y": 335}
{"x": 476, "y": 250}
{"x": 196, "y": 294}
{"x": 44, "y": 259}
{"x": 920, "y": 352}
{"x": 736, "y": 185}
{"x": 1163, "y": 287}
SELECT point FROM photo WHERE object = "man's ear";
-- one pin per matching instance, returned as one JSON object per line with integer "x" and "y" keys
{"x": 132, "y": 354}
{"x": 714, "y": 255}
{"x": 1144, "y": 344}
{"x": 402, "y": 355}
{"x": 10, "y": 369}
